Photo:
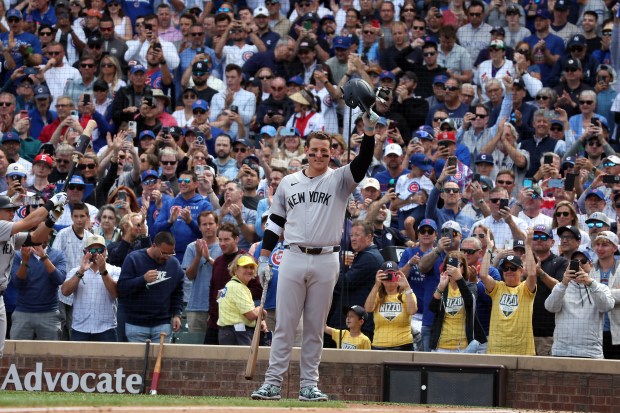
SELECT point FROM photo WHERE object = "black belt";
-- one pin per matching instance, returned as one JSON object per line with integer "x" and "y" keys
{"x": 315, "y": 250}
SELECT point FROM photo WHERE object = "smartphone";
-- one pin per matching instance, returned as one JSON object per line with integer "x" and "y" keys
{"x": 548, "y": 159}
{"x": 574, "y": 265}
{"x": 611, "y": 179}
{"x": 451, "y": 161}
{"x": 234, "y": 108}
{"x": 476, "y": 178}
{"x": 31, "y": 71}
{"x": 122, "y": 196}
{"x": 86, "y": 99}
{"x": 132, "y": 128}
{"x": 15, "y": 177}
{"x": 156, "y": 46}
{"x": 503, "y": 203}
{"x": 75, "y": 114}
{"x": 569, "y": 181}
{"x": 446, "y": 233}
{"x": 270, "y": 113}
{"x": 391, "y": 183}
{"x": 453, "y": 261}
{"x": 200, "y": 50}
{"x": 200, "y": 140}
{"x": 308, "y": 25}
{"x": 555, "y": 183}
{"x": 148, "y": 26}
{"x": 199, "y": 170}
{"x": 528, "y": 183}
{"x": 257, "y": 141}
{"x": 393, "y": 125}
{"x": 415, "y": 140}
{"x": 23, "y": 114}
{"x": 595, "y": 122}
{"x": 442, "y": 144}
{"x": 149, "y": 101}
{"x": 165, "y": 130}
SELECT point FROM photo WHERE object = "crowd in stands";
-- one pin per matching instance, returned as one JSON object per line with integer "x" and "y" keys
{"x": 487, "y": 222}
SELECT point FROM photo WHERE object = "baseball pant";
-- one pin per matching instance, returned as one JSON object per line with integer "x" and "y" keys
{"x": 305, "y": 285}
{"x": 2, "y": 325}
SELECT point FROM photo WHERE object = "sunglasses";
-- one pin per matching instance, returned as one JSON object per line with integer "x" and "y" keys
{"x": 583, "y": 261}
{"x": 150, "y": 182}
{"x": 510, "y": 268}
{"x": 464, "y": 95}
{"x": 470, "y": 251}
{"x": 556, "y": 129}
{"x": 586, "y": 102}
{"x": 496, "y": 200}
{"x": 94, "y": 251}
{"x": 571, "y": 70}
{"x": 523, "y": 51}
{"x": 45, "y": 33}
{"x": 475, "y": 14}
{"x": 540, "y": 237}
{"x": 199, "y": 73}
{"x": 452, "y": 190}
{"x": 542, "y": 97}
{"x": 83, "y": 166}
{"x": 419, "y": 28}
{"x": 597, "y": 224}
{"x": 242, "y": 150}
{"x": 224, "y": 10}
{"x": 107, "y": 65}
{"x": 480, "y": 116}
{"x": 62, "y": 160}
{"x": 12, "y": 20}
{"x": 168, "y": 163}
{"x": 265, "y": 77}
{"x": 502, "y": 182}
{"x": 75, "y": 187}
{"x": 576, "y": 49}
{"x": 428, "y": 54}
{"x": 439, "y": 119}
{"x": 495, "y": 49}
{"x": 594, "y": 143}
{"x": 369, "y": 32}
{"x": 609, "y": 164}
{"x": 106, "y": 29}
{"x": 184, "y": 180}
{"x": 606, "y": 32}
{"x": 335, "y": 146}
{"x": 481, "y": 236}
{"x": 196, "y": 34}
{"x": 189, "y": 96}
{"x": 199, "y": 111}
{"x": 562, "y": 214}
{"x": 451, "y": 88}
{"x": 6, "y": 104}
{"x": 427, "y": 231}
{"x": 88, "y": 65}
{"x": 412, "y": 10}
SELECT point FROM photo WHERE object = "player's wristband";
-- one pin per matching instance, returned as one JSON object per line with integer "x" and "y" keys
{"x": 49, "y": 223}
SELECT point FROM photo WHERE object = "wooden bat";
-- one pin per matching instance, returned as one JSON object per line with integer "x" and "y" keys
{"x": 146, "y": 365}
{"x": 251, "y": 365}
{"x": 155, "y": 380}
{"x": 80, "y": 148}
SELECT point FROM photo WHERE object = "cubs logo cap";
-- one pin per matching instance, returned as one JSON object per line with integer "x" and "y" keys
{"x": 427, "y": 222}
{"x": 453, "y": 225}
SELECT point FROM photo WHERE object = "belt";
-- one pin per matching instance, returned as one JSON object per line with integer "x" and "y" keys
{"x": 314, "y": 250}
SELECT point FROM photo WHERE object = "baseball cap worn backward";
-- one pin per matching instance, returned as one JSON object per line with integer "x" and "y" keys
{"x": 609, "y": 236}
{"x": 5, "y": 202}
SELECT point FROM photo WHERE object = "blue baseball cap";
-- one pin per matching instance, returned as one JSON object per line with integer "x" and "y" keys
{"x": 386, "y": 74}
{"x": 569, "y": 160}
{"x": 342, "y": 42}
{"x": 10, "y": 137}
{"x": 430, "y": 40}
{"x": 428, "y": 129}
{"x": 145, "y": 134}
{"x": 296, "y": 80}
{"x": 427, "y": 222}
{"x": 269, "y": 130}
{"x": 543, "y": 13}
{"x": 422, "y": 134}
{"x": 382, "y": 121}
{"x": 137, "y": 68}
{"x": 583, "y": 252}
{"x": 484, "y": 158}
{"x": 200, "y": 104}
{"x": 149, "y": 173}
{"x": 77, "y": 180}
{"x": 421, "y": 161}
{"x": 440, "y": 79}
{"x": 595, "y": 192}
{"x": 14, "y": 13}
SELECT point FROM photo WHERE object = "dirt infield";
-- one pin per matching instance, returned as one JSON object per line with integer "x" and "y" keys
{"x": 352, "y": 408}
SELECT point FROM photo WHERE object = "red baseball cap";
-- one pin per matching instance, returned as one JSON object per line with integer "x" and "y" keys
{"x": 446, "y": 136}
{"x": 44, "y": 158}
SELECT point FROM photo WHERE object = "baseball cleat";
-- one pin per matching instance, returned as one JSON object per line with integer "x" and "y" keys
{"x": 267, "y": 392}
{"x": 312, "y": 394}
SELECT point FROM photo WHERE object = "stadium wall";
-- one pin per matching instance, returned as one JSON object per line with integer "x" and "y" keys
{"x": 541, "y": 383}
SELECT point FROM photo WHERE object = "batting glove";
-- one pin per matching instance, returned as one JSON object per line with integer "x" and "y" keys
{"x": 264, "y": 271}
{"x": 58, "y": 200}
{"x": 370, "y": 120}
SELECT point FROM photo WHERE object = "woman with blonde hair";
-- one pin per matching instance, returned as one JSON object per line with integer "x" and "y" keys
{"x": 110, "y": 72}
{"x": 237, "y": 312}
{"x": 291, "y": 146}
{"x": 565, "y": 215}
{"x": 392, "y": 303}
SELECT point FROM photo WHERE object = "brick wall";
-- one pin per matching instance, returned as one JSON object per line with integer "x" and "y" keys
{"x": 532, "y": 382}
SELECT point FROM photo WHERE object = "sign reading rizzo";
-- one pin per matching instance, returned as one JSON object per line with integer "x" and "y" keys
{"x": 70, "y": 382}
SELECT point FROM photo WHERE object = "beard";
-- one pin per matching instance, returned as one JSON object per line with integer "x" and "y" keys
{"x": 199, "y": 82}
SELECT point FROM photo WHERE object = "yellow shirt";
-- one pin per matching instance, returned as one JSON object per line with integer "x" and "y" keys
{"x": 392, "y": 323}
{"x": 453, "y": 329}
{"x": 511, "y": 331}
{"x": 360, "y": 342}
{"x": 234, "y": 300}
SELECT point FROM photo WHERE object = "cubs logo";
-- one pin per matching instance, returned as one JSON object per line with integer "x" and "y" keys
{"x": 155, "y": 214}
{"x": 247, "y": 55}
{"x": 22, "y": 212}
{"x": 458, "y": 176}
{"x": 327, "y": 100}
{"x": 414, "y": 187}
{"x": 276, "y": 257}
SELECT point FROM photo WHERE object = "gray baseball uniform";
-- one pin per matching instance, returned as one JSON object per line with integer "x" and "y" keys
{"x": 313, "y": 210}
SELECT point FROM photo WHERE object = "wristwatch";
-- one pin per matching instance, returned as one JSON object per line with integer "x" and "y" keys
{"x": 79, "y": 275}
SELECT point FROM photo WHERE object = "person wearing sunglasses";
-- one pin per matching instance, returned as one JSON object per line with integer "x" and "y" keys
{"x": 565, "y": 215}
{"x": 180, "y": 219}
{"x": 597, "y": 222}
{"x": 94, "y": 289}
{"x": 451, "y": 103}
{"x": 475, "y": 35}
{"x": 504, "y": 225}
{"x": 583, "y": 122}
{"x": 16, "y": 28}
{"x": 510, "y": 331}
{"x": 149, "y": 311}
{"x": 579, "y": 302}
{"x": 235, "y": 212}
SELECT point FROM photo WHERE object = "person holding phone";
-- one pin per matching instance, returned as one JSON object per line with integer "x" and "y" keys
{"x": 392, "y": 303}
{"x": 456, "y": 328}
{"x": 579, "y": 303}
{"x": 588, "y": 115}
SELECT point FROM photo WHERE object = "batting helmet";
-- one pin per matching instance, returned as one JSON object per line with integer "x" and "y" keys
{"x": 357, "y": 92}
{"x": 5, "y": 202}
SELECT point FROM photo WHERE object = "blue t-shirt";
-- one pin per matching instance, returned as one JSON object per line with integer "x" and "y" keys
{"x": 24, "y": 39}
{"x": 415, "y": 277}
{"x": 199, "y": 295}
{"x": 384, "y": 178}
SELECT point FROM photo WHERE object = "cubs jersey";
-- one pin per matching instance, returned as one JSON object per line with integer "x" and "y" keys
{"x": 314, "y": 208}
{"x": 511, "y": 331}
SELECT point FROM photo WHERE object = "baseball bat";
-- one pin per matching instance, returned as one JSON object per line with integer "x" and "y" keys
{"x": 251, "y": 364}
{"x": 80, "y": 148}
{"x": 155, "y": 380}
{"x": 146, "y": 365}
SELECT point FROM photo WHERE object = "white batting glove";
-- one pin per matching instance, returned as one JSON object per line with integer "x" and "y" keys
{"x": 264, "y": 271}
{"x": 59, "y": 199}
{"x": 370, "y": 120}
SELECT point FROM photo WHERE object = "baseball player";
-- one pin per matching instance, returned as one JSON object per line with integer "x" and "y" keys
{"x": 14, "y": 235}
{"x": 312, "y": 203}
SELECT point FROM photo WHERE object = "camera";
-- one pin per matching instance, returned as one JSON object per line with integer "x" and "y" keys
{"x": 391, "y": 276}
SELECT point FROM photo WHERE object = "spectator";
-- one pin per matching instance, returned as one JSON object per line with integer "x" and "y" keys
{"x": 504, "y": 226}
{"x": 41, "y": 115}
{"x": 450, "y": 193}
{"x": 561, "y": 27}
{"x": 392, "y": 303}
{"x": 41, "y": 169}
{"x": 147, "y": 35}
{"x": 97, "y": 288}
{"x": 455, "y": 58}
{"x": 235, "y": 212}
{"x": 234, "y": 96}
{"x": 27, "y": 55}
{"x": 150, "y": 288}
{"x": 574, "y": 309}
{"x": 37, "y": 273}
{"x": 353, "y": 338}
{"x": 475, "y": 35}
{"x": 232, "y": 47}
{"x": 305, "y": 118}
{"x": 546, "y": 46}
{"x": 128, "y": 99}
{"x": 236, "y": 306}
